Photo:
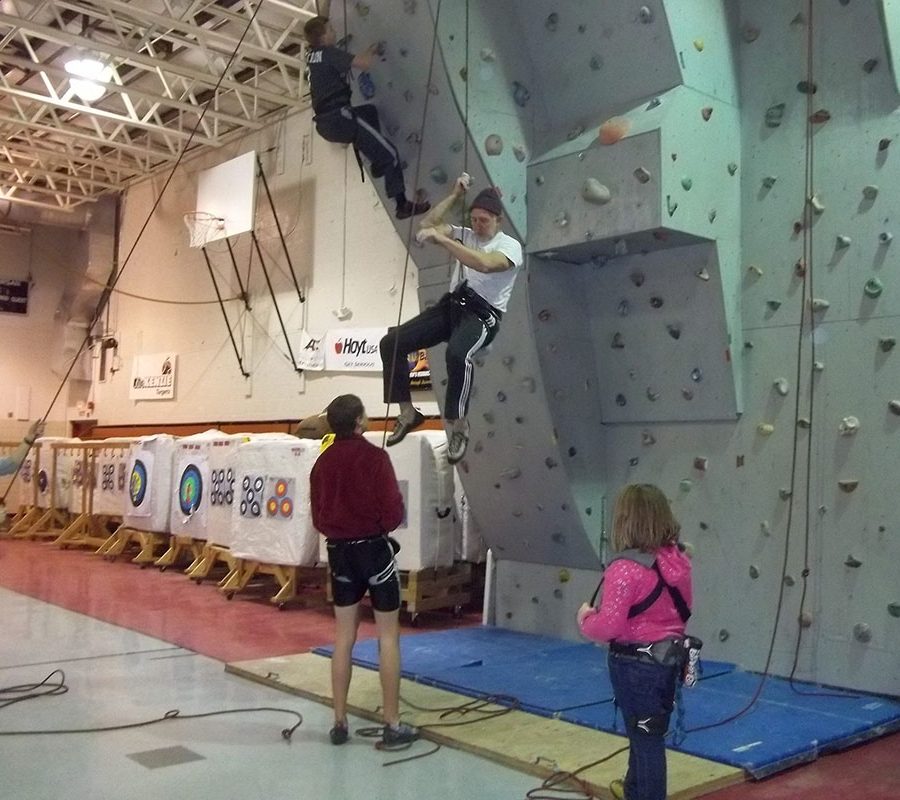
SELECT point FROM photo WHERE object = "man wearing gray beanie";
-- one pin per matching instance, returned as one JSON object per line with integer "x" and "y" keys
{"x": 467, "y": 318}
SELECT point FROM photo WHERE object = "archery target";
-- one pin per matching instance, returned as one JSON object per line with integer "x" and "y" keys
{"x": 137, "y": 486}
{"x": 222, "y": 491}
{"x": 43, "y": 481}
{"x": 190, "y": 489}
{"x": 280, "y": 498}
{"x": 252, "y": 496}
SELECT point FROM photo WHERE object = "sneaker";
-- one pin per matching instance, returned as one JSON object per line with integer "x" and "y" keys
{"x": 617, "y": 789}
{"x": 399, "y": 735}
{"x": 339, "y": 733}
{"x": 410, "y": 209}
{"x": 402, "y": 426}
{"x": 459, "y": 441}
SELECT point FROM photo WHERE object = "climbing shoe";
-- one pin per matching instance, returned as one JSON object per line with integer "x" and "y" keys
{"x": 408, "y": 209}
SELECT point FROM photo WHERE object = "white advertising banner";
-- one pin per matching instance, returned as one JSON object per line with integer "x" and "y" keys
{"x": 311, "y": 352}
{"x": 353, "y": 349}
{"x": 153, "y": 377}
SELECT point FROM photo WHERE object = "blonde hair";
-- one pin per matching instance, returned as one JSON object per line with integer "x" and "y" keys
{"x": 642, "y": 519}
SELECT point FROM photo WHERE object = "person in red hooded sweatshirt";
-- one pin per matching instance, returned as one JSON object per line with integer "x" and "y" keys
{"x": 644, "y": 606}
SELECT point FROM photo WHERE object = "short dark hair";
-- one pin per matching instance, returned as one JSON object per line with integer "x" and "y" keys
{"x": 343, "y": 413}
{"x": 314, "y": 30}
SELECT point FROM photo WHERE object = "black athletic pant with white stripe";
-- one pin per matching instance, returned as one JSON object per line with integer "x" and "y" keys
{"x": 359, "y": 125}
{"x": 465, "y": 333}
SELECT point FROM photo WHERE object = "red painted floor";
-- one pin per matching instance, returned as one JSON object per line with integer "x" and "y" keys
{"x": 170, "y": 607}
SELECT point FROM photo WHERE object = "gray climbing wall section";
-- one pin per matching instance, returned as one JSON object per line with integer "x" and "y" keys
{"x": 679, "y": 260}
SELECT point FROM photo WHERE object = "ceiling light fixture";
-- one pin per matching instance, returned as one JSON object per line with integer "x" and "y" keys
{"x": 85, "y": 73}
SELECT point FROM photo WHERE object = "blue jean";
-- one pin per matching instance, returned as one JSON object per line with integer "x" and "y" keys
{"x": 644, "y": 690}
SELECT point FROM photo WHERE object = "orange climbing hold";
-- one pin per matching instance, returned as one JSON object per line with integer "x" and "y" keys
{"x": 614, "y": 129}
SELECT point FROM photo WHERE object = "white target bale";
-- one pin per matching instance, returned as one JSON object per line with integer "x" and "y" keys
{"x": 203, "y": 487}
{"x": 430, "y": 530}
{"x": 271, "y": 513}
{"x": 150, "y": 469}
{"x": 111, "y": 476}
{"x": 25, "y": 480}
{"x": 65, "y": 460}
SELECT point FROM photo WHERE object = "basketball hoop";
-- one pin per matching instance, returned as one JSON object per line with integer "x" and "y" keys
{"x": 203, "y": 227}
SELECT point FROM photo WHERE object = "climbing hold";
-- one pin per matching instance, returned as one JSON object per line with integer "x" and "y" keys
{"x": 508, "y": 361}
{"x": 782, "y": 386}
{"x": 870, "y": 192}
{"x": 798, "y": 227}
{"x": 617, "y": 342}
{"x": 686, "y": 184}
{"x": 894, "y": 609}
{"x": 561, "y": 219}
{"x": 862, "y": 632}
{"x": 552, "y": 22}
{"x": 654, "y": 103}
{"x": 819, "y": 117}
{"x": 685, "y": 485}
{"x": 501, "y": 397}
{"x": 807, "y": 87}
{"x": 521, "y": 95}
{"x": 438, "y": 175}
{"x": 574, "y": 133}
{"x": 614, "y": 129}
{"x": 769, "y": 181}
{"x": 698, "y": 45}
{"x": 595, "y": 192}
{"x": 362, "y": 9}
{"x": 818, "y": 366}
{"x": 843, "y": 241}
{"x": 409, "y": 6}
{"x": 674, "y": 330}
{"x": 764, "y": 528}
{"x": 723, "y": 635}
{"x": 819, "y": 304}
{"x": 749, "y": 33}
{"x": 621, "y": 400}
{"x": 816, "y": 204}
{"x": 493, "y": 145}
{"x": 887, "y": 343}
{"x": 550, "y": 463}
{"x": 645, "y": 15}
{"x": 596, "y": 62}
{"x": 520, "y": 152}
{"x": 800, "y": 268}
{"x": 894, "y": 406}
{"x": 850, "y": 561}
{"x": 511, "y": 474}
{"x": 785, "y": 494}
{"x": 773, "y": 305}
{"x": 637, "y": 278}
{"x": 848, "y": 485}
{"x": 799, "y": 19}
{"x": 488, "y": 55}
{"x": 671, "y": 205}
{"x": 732, "y": 167}
{"x": 414, "y": 138}
{"x": 765, "y": 428}
{"x": 647, "y": 438}
{"x": 789, "y": 580}
{"x": 700, "y": 463}
{"x": 869, "y": 65}
{"x": 753, "y": 571}
{"x": 884, "y": 144}
{"x": 696, "y": 374}
{"x": 873, "y": 288}
{"x": 706, "y": 113}
{"x": 564, "y": 576}
{"x": 886, "y": 237}
{"x": 849, "y": 426}
{"x": 739, "y": 461}
{"x": 702, "y": 273}
{"x": 803, "y": 422}
{"x": 753, "y": 269}
{"x": 656, "y": 302}
{"x": 529, "y": 385}
{"x": 633, "y": 461}
{"x": 642, "y": 175}
{"x": 774, "y": 115}
{"x": 624, "y": 308}
{"x": 456, "y": 147}
{"x": 544, "y": 315}
{"x": 652, "y": 395}
{"x": 805, "y": 619}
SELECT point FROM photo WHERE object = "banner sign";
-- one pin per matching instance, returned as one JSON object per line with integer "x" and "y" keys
{"x": 353, "y": 349}
{"x": 14, "y": 297}
{"x": 311, "y": 352}
{"x": 153, "y": 377}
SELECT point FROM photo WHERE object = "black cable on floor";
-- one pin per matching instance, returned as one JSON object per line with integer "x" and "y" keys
{"x": 33, "y": 691}
{"x": 554, "y": 781}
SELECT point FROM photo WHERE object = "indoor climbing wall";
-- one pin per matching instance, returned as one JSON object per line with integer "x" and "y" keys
{"x": 710, "y": 301}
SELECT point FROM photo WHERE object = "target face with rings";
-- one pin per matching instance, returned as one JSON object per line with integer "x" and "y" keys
{"x": 251, "y": 495}
{"x": 43, "y": 481}
{"x": 190, "y": 490}
{"x": 137, "y": 486}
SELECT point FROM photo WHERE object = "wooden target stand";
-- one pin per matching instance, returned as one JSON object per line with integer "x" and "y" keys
{"x": 211, "y": 555}
{"x": 289, "y": 578}
{"x": 38, "y": 522}
{"x": 88, "y": 529}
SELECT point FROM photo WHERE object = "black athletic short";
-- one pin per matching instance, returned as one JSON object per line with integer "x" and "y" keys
{"x": 364, "y": 565}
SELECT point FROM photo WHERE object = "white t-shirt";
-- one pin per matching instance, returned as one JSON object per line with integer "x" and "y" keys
{"x": 495, "y": 287}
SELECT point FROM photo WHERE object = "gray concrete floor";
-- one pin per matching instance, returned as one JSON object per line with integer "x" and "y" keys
{"x": 116, "y": 676}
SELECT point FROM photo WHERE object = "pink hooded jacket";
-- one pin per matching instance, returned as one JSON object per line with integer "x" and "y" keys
{"x": 626, "y": 583}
